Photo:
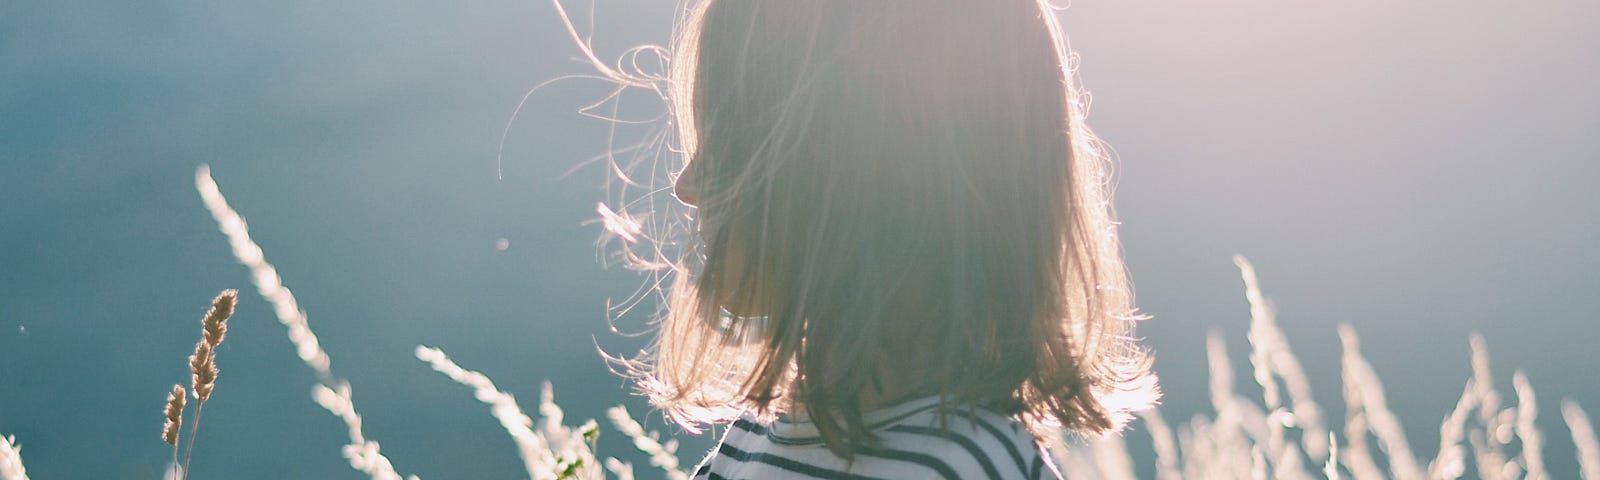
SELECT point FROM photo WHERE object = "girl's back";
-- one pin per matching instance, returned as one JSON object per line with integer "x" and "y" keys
{"x": 972, "y": 442}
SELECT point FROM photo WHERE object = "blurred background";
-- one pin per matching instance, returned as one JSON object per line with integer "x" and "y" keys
{"x": 1420, "y": 170}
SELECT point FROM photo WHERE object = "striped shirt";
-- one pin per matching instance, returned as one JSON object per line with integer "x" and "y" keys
{"x": 979, "y": 443}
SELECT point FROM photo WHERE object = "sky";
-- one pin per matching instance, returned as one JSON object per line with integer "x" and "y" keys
{"x": 1418, "y": 170}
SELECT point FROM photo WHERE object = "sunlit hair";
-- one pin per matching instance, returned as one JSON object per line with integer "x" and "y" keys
{"x": 901, "y": 199}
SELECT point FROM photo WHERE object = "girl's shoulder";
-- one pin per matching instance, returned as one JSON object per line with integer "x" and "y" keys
{"x": 917, "y": 439}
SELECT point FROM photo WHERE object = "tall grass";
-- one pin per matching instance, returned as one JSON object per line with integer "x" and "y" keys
{"x": 1284, "y": 435}
{"x": 1245, "y": 439}
{"x": 554, "y": 451}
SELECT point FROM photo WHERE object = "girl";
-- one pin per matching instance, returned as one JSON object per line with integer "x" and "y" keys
{"x": 909, "y": 266}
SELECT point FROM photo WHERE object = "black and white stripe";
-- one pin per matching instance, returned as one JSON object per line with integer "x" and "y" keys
{"x": 971, "y": 443}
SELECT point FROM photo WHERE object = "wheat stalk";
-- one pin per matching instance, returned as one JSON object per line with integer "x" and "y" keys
{"x": 330, "y": 391}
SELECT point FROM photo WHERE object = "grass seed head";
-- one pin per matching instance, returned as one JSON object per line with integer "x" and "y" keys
{"x": 203, "y": 367}
{"x": 174, "y": 412}
{"x": 215, "y": 324}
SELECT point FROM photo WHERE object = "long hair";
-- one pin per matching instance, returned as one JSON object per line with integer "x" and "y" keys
{"x": 907, "y": 192}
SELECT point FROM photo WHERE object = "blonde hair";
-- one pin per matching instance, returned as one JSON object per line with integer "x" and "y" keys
{"x": 908, "y": 191}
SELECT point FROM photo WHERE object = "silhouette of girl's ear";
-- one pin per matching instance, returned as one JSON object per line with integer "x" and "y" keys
{"x": 687, "y": 186}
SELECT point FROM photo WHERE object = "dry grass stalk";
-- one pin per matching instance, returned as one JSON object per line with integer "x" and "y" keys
{"x": 1258, "y": 463}
{"x": 1095, "y": 458}
{"x": 537, "y": 458}
{"x": 265, "y": 277}
{"x": 1330, "y": 468}
{"x": 622, "y": 470}
{"x": 11, "y": 460}
{"x": 1489, "y": 467}
{"x": 203, "y": 369}
{"x": 549, "y": 449}
{"x": 1225, "y": 436}
{"x": 1110, "y": 452}
{"x": 1380, "y": 421}
{"x": 1359, "y": 456}
{"x": 1070, "y": 462}
{"x": 1222, "y": 446}
{"x": 1489, "y": 456}
{"x": 662, "y": 455}
{"x": 362, "y": 453}
{"x": 214, "y": 326}
{"x": 1193, "y": 445}
{"x": 174, "y": 414}
{"x": 1582, "y": 436}
{"x": 1532, "y": 440}
{"x": 1270, "y": 355}
{"x": 573, "y": 447}
{"x": 203, "y": 377}
{"x": 1167, "y": 456}
{"x": 1450, "y": 463}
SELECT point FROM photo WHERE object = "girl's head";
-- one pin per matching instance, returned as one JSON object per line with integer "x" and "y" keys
{"x": 897, "y": 199}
